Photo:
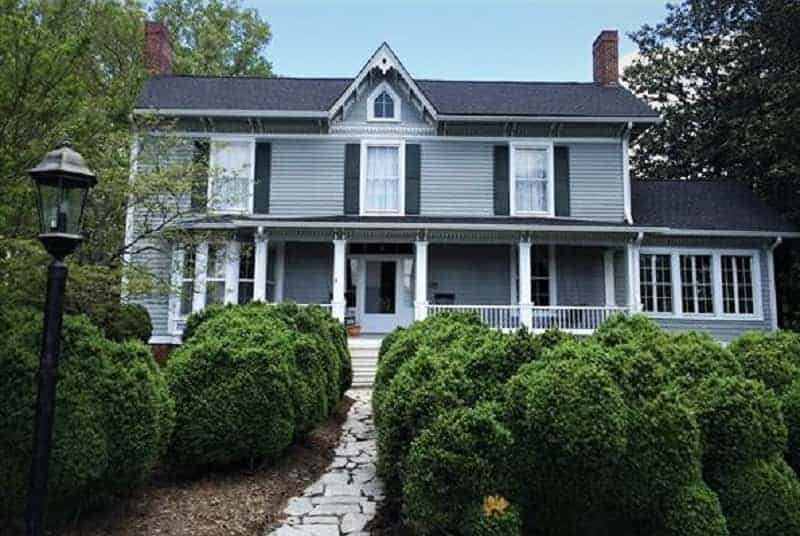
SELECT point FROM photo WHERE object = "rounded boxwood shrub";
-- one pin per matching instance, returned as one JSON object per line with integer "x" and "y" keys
{"x": 740, "y": 421}
{"x": 129, "y": 321}
{"x": 488, "y": 521}
{"x": 468, "y": 442}
{"x": 694, "y": 510}
{"x": 113, "y": 415}
{"x": 194, "y": 320}
{"x": 791, "y": 416}
{"x": 762, "y": 497}
{"x": 693, "y": 357}
{"x": 623, "y": 329}
{"x": 772, "y": 357}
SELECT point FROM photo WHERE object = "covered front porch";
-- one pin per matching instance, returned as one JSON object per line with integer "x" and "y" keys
{"x": 383, "y": 279}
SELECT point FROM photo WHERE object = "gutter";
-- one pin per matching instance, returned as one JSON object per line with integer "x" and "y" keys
{"x": 550, "y": 119}
{"x": 214, "y": 112}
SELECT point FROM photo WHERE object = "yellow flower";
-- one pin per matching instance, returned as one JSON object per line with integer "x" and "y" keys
{"x": 494, "y": 505}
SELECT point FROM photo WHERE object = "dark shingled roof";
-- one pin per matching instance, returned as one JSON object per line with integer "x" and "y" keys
{"x": 568, "y": 99}
{"x": 707, "y": 205}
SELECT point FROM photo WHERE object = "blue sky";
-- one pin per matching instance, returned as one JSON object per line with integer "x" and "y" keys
{"x": 489, "y": 40}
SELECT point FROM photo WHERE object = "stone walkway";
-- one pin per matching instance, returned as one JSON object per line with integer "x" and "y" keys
{"x": 345, "y": 498}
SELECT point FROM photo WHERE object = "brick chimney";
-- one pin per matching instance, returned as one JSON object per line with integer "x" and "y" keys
{"x": 605, "y": 53}
{"x": 158, "y": 55}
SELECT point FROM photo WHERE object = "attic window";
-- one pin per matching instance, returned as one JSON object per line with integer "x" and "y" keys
{"x": 383, "y": 104}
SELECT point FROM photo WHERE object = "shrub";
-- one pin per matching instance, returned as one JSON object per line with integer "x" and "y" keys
{"x": 740, "y": 422}
{"x": 194, "y": 320}
{"x": 693, "y": 511}
{"x": 489, "y": 520}
{"x": 469, "y": 442}
{"x": 772, "y": 357}
{"x": 693, "y": 357}
{"x": 791, "y": 416}
{"x": 128, "y": 321}
{"x": 113, "y": 415}
{"x": 762, "y": 497}
{"x": 621, "y": 329}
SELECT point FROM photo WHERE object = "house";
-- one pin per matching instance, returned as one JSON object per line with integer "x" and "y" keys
{"x": 388, "y": 198}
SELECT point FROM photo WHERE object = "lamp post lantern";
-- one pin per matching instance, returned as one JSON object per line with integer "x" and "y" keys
{"x": 62, "y": 182}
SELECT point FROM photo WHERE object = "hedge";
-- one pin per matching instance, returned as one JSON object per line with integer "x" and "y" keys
{"x": 632, "y": 431}
{"x": 113, "y": 418}
{"x": 252, "y": 378}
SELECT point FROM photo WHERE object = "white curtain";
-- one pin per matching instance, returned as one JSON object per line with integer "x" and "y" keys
{"x": 530, "y": 172}
{"x": 383, "y": 178}
{"x": 230, "y": 181}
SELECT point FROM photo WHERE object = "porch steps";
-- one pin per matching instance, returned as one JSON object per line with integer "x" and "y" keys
{"x": 364, "y": 356}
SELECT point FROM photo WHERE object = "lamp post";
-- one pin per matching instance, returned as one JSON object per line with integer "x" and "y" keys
{"x": 62, "y": 184}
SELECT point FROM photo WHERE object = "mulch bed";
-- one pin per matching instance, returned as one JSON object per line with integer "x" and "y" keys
{"x": 387, "y": 520}
{"x": 235, "y": 502}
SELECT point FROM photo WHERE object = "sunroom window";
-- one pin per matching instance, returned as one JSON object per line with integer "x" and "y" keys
{"x": 215, "y": 274}
{"x": 231, "y": 170}
{"x": 383, "y": 179}
{"x": 655, "y": 275}
{"x": 697, "y": 290}
{"x": 531, "y": 180}
{"x": 737, "y": 284}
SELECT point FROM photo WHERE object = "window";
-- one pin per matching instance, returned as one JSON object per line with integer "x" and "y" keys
{"x": 697, "y": 294}
{"x": 247, "y": 270}
{"x": 187, "y": 282}
{"x": 215, "y": 274}
{"x": 737, "y": 284}
{"x": 531, "y": 180}
{"x": 383, "y": 107}
{"x": 540, "y": 276}
{"x": 655, "y": 274}
{"x": 383, "y": 179}
{"x": 231, "y": 169}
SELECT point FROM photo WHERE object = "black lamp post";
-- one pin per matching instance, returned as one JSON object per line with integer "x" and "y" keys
{"x": 62, "y": 184}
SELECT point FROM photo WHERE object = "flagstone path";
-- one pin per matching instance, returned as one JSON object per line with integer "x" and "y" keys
{"x": 346, "y": 497}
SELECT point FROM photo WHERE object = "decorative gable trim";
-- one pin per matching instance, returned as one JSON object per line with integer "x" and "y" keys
{"x": 385, "y": 60}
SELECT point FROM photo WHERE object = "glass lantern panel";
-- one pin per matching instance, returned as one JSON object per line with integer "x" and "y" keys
{"x": 61, "y": 208}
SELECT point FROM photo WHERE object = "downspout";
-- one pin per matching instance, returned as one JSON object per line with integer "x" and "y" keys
{"x": 773, "y": 298}
{"x": 626, "y": 172}
{"x": 634, "y": 301}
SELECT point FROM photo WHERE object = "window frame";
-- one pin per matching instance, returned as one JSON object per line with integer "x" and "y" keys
{"x": 694, "y": 284}
{"x": 364, "y": 166}
{"x": 380, "y": 89}
{"x": 512, "y": 187}
{"x": 224, "y": 278}
{"x": 212, "y": 165}
{"x": 735, "y": 285}
{"x": 654, "y": 282}
{"x": 716, "y": 255}
{"x": 250, "y": 280}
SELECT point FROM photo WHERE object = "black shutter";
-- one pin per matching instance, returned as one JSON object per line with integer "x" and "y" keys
{"x": 262, "y": 178}
{"x": 562, "y": 180}
{"x": 200, "y": 158}
{"x": 352, "y": 177}
{"x": 501, "y": 178}
{"x": 413, "y": 178}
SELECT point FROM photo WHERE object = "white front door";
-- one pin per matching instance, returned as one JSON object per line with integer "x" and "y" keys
{"x": 385, "y": 294}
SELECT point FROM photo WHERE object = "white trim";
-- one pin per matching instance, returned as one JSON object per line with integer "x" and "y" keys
{"x": 130, "y": 216}
{"x": 524, "y": 257}
{"x": 339, "y": 283}
{"x": 261, "y": 253}
{"x": 549, "y": 118}
{"x": 608, "y": 270}
{"x": 716, "y": 255}
{"x": 773, "y": 299}
{"x": 232, "y": 250}
{"x": 626, "y": 175}
{"x": 176, "y": 288}
{"x": 200, "y": 266}
{"x": 280, "y": 271}
{"x": 363, "y": 165}
{"x": 398, "y": 103}
{"x": 220, "y": 112}
{"x": 420, "y": 279}
{"x": 551, "y": 198}
{"x": 222, "y": 139}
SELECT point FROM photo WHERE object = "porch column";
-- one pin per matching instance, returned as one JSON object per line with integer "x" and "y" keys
{"x": 232, "y": 251}
{"x": 339, "y": 303}
{"x": 525, "y": 312}
{"x": 421, "y": 280}
{"x": 261, "y": 263}
{"x": 634, "y": 301}
{"x": 608, "y": 263}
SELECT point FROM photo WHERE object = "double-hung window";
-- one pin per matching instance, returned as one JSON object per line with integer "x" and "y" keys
{"x": 247, "y": 270}
{"x": 697, "y": 289}
{"x": 215, "y": 273}
{"x": 382, "y": 177}
{"x": 655, "y": 277}
{"x": 737, "y": 284}
{"x": 532, "y": 188}
{"x": 187, "y": 273}
{"x": 231, "y": 171}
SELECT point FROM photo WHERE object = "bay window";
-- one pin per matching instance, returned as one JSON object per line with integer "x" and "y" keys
{"x": 737, "y": 284}
{"x": 215, "y": 273}
{"x": 696, "y": 286}
{"x": 382, "y": 178}
{"x": 655, "y": 276}
{"x": 231, "y": 176}
{"x": 531, "y": 180}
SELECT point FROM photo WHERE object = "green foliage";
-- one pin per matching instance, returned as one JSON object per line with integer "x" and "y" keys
{"x": 762, "y": 497}
{"x": 127, "y": 321}
{"x": 694, "y": 511}
{"x": 772, "y": 357}
{"x": 194, "y": 320}
{"x": 481, "y": 523}
{"x": 250, "y": 379}
{"x": 791, "y": 416}
{"x": 113, "y": 418}
{"x": 469, "y": 442}
{"x": 621, "y": 329}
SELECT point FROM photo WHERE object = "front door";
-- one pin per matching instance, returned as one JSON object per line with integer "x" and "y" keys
{"x": 387, "y": 299}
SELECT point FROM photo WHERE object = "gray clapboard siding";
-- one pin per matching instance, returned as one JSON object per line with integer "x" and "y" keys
{"x": 475, "y": 274}
{"x": 457, "y": 179}
{"x": 307, "y": 178}
{"x": 580, "y": 276}
{"x": 596, "y": 186}
{"x": 308, "y": 272}
{"x": 356, "y": 113}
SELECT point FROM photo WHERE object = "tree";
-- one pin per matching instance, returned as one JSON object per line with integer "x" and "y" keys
{"x": 725, "y": 76}
{"x": 216, "y": 37}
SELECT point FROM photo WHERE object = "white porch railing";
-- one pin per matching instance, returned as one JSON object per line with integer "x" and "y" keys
{"x": 580, "y": 320}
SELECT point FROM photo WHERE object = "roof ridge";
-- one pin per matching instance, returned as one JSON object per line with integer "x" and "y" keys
{"x": 542, "y": 82}
{"x": 254, "y": 77}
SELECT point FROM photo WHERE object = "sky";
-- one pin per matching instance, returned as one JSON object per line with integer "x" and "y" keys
{"x": 447, "y": 39}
